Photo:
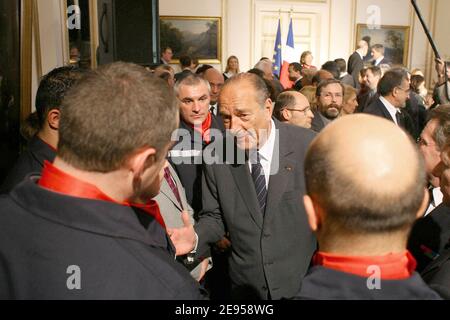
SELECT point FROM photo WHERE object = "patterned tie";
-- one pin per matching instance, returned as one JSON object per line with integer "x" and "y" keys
{"x": 172, "y": 184}
{"x": 260, "y": 184}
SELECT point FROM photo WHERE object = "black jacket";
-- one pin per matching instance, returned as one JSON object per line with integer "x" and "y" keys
{"x": 186, "y": 158}
{"x": 354, "y": 66}
{"x": 326, "y": 284}
{"x": 437, "y": 275}
{"x": 30, "y": 161}
{"x": 431, "y": 232}
{"x": 121, "y": 252}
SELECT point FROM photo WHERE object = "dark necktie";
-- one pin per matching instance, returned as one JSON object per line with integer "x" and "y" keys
{"x": 212, "y": 109}
{"x": 172, "y": 185}
{"x": 260, "y": 184}
{"x": 400, "y": 119}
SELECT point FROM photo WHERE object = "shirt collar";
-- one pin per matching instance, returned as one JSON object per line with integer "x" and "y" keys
{"x": 377, "y": 62}
{"x": 390, "y": 108}
{"x": 266, "y": 151}
{"x": 396, "y": 266}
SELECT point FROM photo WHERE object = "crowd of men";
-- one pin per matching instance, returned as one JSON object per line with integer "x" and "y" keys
{"x": 151, "y": 184}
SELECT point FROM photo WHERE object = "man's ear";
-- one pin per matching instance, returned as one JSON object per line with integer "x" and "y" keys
{"x": 314, "y": 218}
{"x": 268, "y": 105}
{"x": 286, "y": 114}
{"x": 424, "y": 205}
{"x": 141, "y": 160}
{"x": 53, "y": 119}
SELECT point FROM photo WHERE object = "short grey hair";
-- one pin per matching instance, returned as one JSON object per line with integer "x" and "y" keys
{"x": 261, "y": 91}
{"x": 441, "y": 134}
{"x": 190, "y": 80}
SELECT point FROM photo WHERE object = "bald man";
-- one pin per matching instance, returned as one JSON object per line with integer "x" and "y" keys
{"x": 293, "y": 107}
{"x": 216, "y": 81}
{"x": 365, "y": 187}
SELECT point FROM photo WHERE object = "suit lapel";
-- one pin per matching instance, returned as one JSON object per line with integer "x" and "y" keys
{"x": 386, "y": 113}
{"x": 282, "y": 169}
{"x": 167, "y": 191}
{"x": 244, "y": 182}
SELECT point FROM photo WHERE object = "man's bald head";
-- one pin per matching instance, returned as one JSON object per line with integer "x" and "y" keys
{"x": 366, "y": 175}
{"x": 216, "y": 81}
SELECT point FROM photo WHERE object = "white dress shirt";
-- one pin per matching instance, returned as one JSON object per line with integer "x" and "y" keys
{"x": 265, "y": 154}
{"x": 436, "y": 201}
{"x": 391, "y": 109}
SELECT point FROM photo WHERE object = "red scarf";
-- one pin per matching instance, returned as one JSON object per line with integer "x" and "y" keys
{"x": 204, "y": 130}
{"x": 56, "y": 180}
{"x": 397, "y": 266}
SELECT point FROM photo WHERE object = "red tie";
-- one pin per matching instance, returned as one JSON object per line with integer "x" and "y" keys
{"x": 172, "y": 185}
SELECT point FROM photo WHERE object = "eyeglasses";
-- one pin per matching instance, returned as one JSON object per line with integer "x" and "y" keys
{"x": 405, "y": 90}
{"x": 305, "y": 111}
{"x": 329, "y": 95}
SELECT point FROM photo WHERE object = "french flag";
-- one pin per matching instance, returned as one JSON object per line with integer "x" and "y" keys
{"x": 288, "y": 57}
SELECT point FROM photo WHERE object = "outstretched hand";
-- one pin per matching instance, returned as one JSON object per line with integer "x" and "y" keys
{"x": 184, "y": 239}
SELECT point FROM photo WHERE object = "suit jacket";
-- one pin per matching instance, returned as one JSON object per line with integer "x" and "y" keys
{"x": 298, "y": 85}
{"x": 354, "y": 66}
{"x": 366, "y": 99}
{"x": 317, "y": 123}
{"x": 182, "y": 74}
{"x": 171, "y": 211}
{"x": 348, "y": 80}
{"x": 323, "y": 283}
{"x": 437, "y": 275}
{"x": 270, "y": 254}
{"x": 430, "y": 233}
{"x": 377, "y": 108}
{"x": 384, "y": 61}
{"x": 30, "y": 161}
{"x": 121, "y": 252}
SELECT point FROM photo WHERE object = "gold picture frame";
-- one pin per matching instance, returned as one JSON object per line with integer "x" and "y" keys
{"x": 395, "y": 40}
{"x": 198, "y": 37}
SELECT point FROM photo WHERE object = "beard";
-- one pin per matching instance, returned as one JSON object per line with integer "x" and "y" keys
{"x": 332, "y": 111}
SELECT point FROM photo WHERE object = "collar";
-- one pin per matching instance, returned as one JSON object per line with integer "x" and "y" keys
{"x": 343, "y": 74}
{"x": 360, "y": 54}
{"x": 390, "y": 108}
{"x": 56, "y": 180}
{"x": 41, "y": 150}
{"x": 377, "y": 62}
{"x": 266, "y": 151}
{"x": 397, "y": 266}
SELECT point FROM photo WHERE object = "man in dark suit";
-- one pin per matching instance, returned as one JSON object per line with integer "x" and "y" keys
{"x": 356, "y": 63}
{"x": 371, "y": 79}
{"x": 295, "y": 75}
{"x": 43, "y": 125}
{"x": 88, "y": 227}
{"x": 378, "y": 55}
{"x": 393, "y": 90}
{"x": 329, "y": 97}
{"x": 256, "y": 198}
{"x": 344, "y": 77}
{"x": 166, "y": 55}
{"x": 216, "y": 81}
{"x": 186, "y": 66}
{"x": 361, "y": 203}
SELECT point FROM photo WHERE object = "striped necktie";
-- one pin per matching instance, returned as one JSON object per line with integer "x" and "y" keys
{"x": 259, "y": 180}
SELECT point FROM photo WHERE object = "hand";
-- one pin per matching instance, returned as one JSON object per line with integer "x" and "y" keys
{"x": 223, "y": 245}
{"x": 440, "y": 67}
{"x": 203, "y": 268}
{"x": 183, "y": 238}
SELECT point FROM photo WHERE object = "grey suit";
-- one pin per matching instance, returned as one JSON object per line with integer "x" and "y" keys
{"x": 271, "y": 254}
{"x": 171, "y": 209}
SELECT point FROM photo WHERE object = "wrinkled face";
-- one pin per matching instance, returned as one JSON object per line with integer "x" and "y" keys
{"x": 371, "y": 80}
{"x": 216, "y": 82}
{"x": 330, "y": 101}
{"x": 167, "y": 55}
{"x": 443, "y": 171}
{"x": 246, "y": 119}
{"x": 293, "y": 75}
{"x": 194, "y": 103}
{"x": 350, "y": 105}
{"x": 300, "y": 114}
{"x": 430, "y": 151}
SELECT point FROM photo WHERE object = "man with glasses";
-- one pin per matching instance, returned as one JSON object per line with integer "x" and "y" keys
{"x": 393, "y": 90}
{"x": 329, "y": 96}
{"x": 293, "y": 107}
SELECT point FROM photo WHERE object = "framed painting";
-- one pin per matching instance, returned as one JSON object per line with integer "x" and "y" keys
{"x": 395, "y": 40}
{"x": 197, "y": 37}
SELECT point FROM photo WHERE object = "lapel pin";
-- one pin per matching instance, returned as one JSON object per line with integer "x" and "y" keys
{"x": 288, "y": 168}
